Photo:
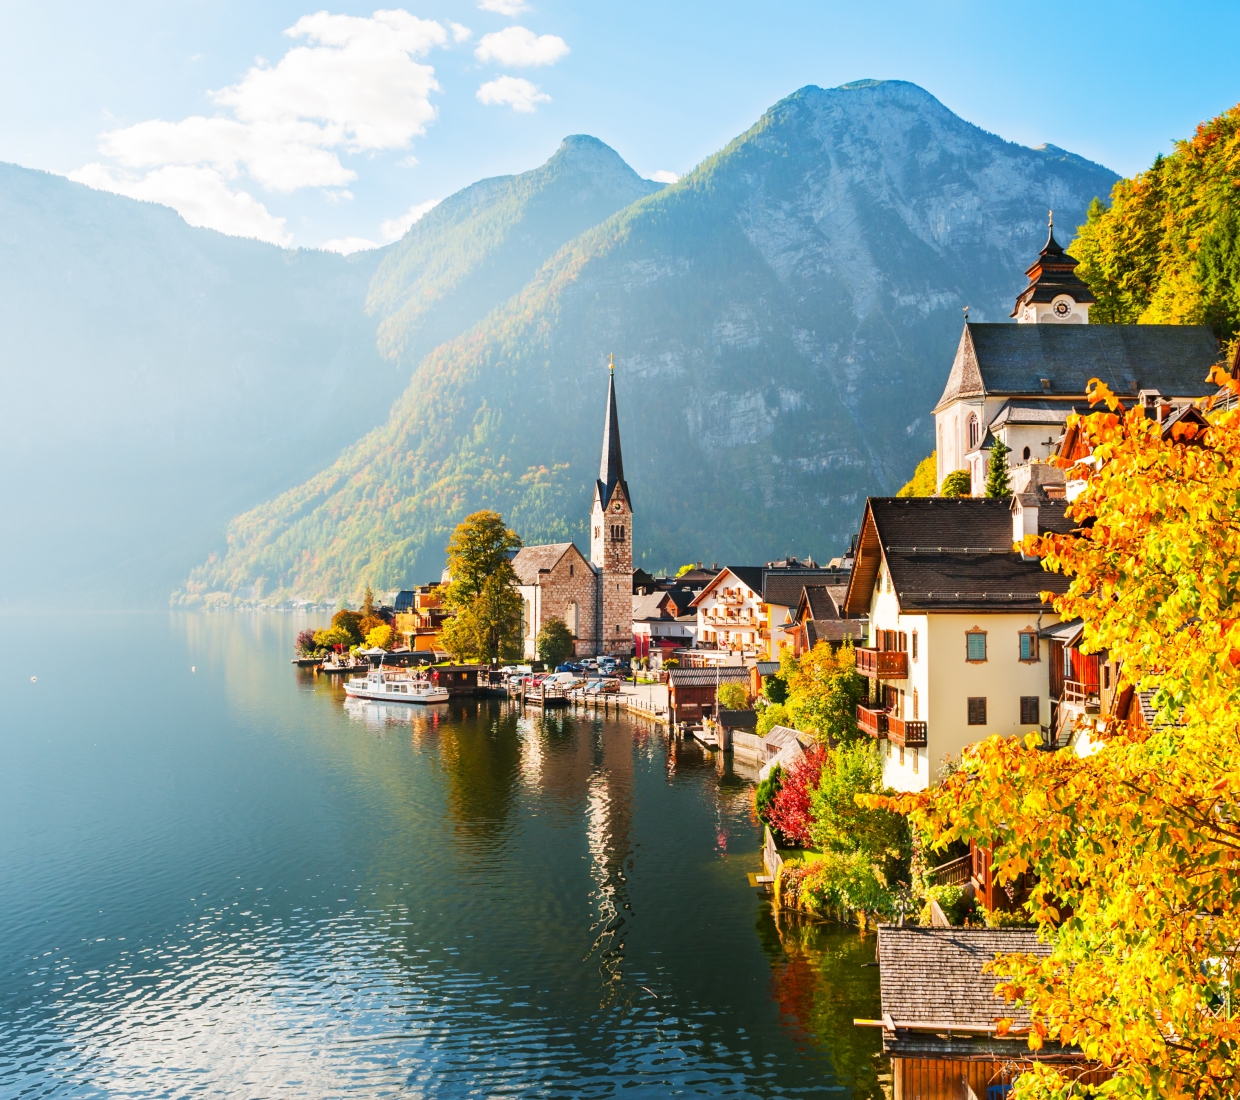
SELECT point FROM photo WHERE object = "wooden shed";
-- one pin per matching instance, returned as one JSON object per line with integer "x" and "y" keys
{"x": 691, "y": 691}
{"x": 940, "y": 1015}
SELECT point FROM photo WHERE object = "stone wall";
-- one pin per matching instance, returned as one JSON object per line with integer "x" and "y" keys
{"x": 611, "y": 550}
{"x": 570, "y": 581}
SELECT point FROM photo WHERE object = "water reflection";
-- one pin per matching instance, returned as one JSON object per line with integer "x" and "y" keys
{"x": 240, "y": 884}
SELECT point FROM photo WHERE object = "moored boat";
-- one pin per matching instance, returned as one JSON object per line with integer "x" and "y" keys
{"x": 395, "y": 687}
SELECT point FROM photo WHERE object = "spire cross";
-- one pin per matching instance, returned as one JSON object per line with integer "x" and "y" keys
{"x": 611, "y": 363}
{"x": 1050, "y": 219}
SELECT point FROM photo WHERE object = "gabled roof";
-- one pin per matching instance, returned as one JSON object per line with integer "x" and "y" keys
{"x": 818, "y": 601}
{"x": 748, "y": 575}
{"x": 933, "y": 976}
{"x": 681, "y": 597}
{"x": 707, "y": 677}
{"x": 948, "y": 554}
{"x": 530, "y": 559}
{"x": 782, "y": 587}
{"x": 1012, "y": 360}
{"x": 654, "y": 605}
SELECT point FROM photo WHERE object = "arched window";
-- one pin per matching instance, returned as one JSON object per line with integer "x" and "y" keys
{"x": 1027, "y": 452}
{"x": 975, "y": 432}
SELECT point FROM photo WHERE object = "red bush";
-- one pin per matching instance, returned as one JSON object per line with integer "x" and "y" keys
{"x": 790, "y": 809}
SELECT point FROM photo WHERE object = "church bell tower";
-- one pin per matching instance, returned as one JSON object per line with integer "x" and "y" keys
{"x": 611, "y": 538}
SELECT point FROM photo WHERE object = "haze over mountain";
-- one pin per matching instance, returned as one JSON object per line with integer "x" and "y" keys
{"x": 159, "y": 379}
{"x": 783, "y": 319}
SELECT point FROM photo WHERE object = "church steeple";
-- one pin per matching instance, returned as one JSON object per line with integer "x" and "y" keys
{"x": 611, "y": 468}
{"x": 1055, "y": 291}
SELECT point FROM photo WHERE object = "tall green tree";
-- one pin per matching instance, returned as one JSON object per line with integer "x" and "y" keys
{"x": 956, "y": 484}
{"x": 997, "y": 483}
{"x": 555, "y": 642}
{"x": 478, "y": 549}
{"x": 922, "y": 483}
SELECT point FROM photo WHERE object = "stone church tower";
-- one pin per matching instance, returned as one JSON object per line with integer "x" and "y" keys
{"x": 611, "y": 539}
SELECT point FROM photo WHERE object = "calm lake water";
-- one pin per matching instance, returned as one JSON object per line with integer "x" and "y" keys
{"x": 217, "y": 879}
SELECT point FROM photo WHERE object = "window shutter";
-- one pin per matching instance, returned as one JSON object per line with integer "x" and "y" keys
{"x": 1030, "y": 710}
{"x": 976, "y": 649}
{"x": 977, "y": 710}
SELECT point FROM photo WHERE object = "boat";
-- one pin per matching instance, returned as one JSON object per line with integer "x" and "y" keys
{"x": 395, "y": 687}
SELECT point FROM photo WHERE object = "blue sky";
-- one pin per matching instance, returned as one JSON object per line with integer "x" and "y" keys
{"x": 344, "y": 129}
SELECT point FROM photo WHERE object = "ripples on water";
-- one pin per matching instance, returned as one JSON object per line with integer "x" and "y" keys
{"x": 233, "y": 883}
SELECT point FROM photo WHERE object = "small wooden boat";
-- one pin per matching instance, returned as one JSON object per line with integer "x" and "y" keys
{"x": 395, "y": 687}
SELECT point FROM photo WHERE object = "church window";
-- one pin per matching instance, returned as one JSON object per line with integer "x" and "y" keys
{"x": 1026, "y": 453}
{"x": 570, "y": 568}
{"x": 975, "y": 431}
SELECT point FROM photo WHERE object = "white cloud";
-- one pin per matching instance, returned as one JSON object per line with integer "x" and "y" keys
{"x": 200, "y": 195}
{"x": 355, "y": 87}
{"x": 514, "y": 92}
{"x": 346, "y": 246}
{"x": 521, "y": 47}
{"x": 664, "y": 176}
{"x": 396, "y": 228}
{"x": 460, "y": 33}
{"x": 504, "y": 7}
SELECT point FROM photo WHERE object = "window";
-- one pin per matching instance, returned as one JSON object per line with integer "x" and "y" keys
{"x": 1029, "y": 650}
{"x": 598, "y": 532}
{"x": 915, "y": 701}
{"x": 1030, "y": 710}
{"x": 902, "y": 642}
{"x": 888, "y": 750}
{"x": 975, "y": 432}
{"x": 1026, "y": 453}
{"x": 901, "y": 756}
{"x": 570, "y": 568}
{"x": 975, "y": 643}
{"x": 1106, "y": 676}
{"x": 914, "y": 761}
{"x": 977, "y": 710}
{"x": 914, "y": 645}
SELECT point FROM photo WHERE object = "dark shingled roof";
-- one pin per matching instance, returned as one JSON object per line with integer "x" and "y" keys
{"x": 783, "y": 586}
{"x": 834, "y": 631}
{"x": 949, "y": 554}
{"x": 822, "y": 601}
{"x": 1012, "y": 360}
{"x": 934, "y": 975}
{"x": 738, "y": 719}
{"x": 703, "y": 677}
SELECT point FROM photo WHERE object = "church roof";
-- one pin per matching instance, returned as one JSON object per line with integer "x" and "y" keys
{"x": 611, "y": 468}
{"x": 530, "y": 559}
{"x": 1057, "y": 361}
{"x": 1051, "y": 274}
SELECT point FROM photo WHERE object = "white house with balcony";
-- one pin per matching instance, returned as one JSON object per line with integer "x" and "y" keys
{"x": 730, "y": 613}
{"x": 955, "y": 651}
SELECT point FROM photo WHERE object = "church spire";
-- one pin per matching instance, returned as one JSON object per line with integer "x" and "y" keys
{"x": 1055, "y": 291}
{"x": 611, "y": 468}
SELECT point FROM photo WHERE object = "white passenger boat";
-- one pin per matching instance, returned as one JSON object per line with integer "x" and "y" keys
{"x": 395, "y": 687}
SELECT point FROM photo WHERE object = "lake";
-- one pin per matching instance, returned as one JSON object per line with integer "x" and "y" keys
{"x": 219, "y": 879}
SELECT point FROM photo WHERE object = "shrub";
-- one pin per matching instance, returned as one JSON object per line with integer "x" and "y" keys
{"x": 306, "y": 645}
{"x": 1003, "y": 918}
{"x": 732, "y": 696}
{"x": 555, "y": 642}
{"x": 775, "y": 688}
{"x": 958, "y": 483}
{"x": 771, "y": 716}
{"x": 765, "y": 792}
{"x": 957, "y": 904}
{"x": 790, "y": 811}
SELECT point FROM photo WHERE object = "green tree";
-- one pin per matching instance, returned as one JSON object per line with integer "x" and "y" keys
{"x": 333, "y": 636}
{"x": 732, "y": 696}
{"x": 368, "y": 603}
{"x": 478, "y": 549}
{"x": 489, "y": 628}
{"x": 775, "y": 688}
{"x": 770, "y": 717}
{"x": 956, "y": 484}
{"x": 351, "y": 623}
{"x": 922, "y": 483}
{"x": 997, "y": 484}
{"x": 555, "y": 642}
{"x": 839, "y": 823}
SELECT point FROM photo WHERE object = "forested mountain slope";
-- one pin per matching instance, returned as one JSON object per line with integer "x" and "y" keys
{"x": 158, "y": 379}
{"x": 782, "y": 320}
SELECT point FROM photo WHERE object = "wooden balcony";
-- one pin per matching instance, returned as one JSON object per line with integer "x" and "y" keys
{"x": 882, "y": 664}
{"x": 912, "y": 735}
{"x": 872, "y": 720}
{"x": 956, "y": 873}
{"x": 1081, "y": 695}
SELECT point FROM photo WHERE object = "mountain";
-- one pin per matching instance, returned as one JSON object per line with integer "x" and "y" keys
{"x": 782, "y": 320}
{"x": 159, "y": 379}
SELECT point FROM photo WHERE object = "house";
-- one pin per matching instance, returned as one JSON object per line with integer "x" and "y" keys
{"x": 819, "y": 617}
{"x": 730, "y": 613}
{"x": 417, "y": 617}
{"x": 691, "y": 691}
{"x": 782, "y": 582}
{"x": 1019, "y": 383}
{"x": 658, "y": 629}
{"x": 955, "y": 651}
{"x": 940, "y": 1015}
{"x": 593, "y": 597}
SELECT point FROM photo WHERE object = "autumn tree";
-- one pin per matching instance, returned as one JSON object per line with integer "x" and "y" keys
{"x": 381, "y": 637}
{"x": 479, "y": 548}
{"x": 732, "y": 696}
{"x": 823, "y": 691}
{"x": 1133, "y": 843}
{"x": 482, "y": 590}
{"x": 922, "y": 483}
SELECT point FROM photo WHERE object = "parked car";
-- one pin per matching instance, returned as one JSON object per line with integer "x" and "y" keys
{"x": 569, "y": 666}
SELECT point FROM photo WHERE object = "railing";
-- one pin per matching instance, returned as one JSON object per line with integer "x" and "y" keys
{"x": 911, "y": 735}
{"x": 955, "y": 873}
{"x": 882, "y": 664}
{"x": 1083, "y": 695}
{"x": 871, "y": 720}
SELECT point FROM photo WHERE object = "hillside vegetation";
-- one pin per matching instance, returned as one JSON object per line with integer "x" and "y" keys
{"x": 782, "y": 320}
{"x": 1167, "y": 250}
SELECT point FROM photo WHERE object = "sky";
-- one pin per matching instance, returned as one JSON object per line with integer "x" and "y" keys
{"x": 337, "y": 127}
